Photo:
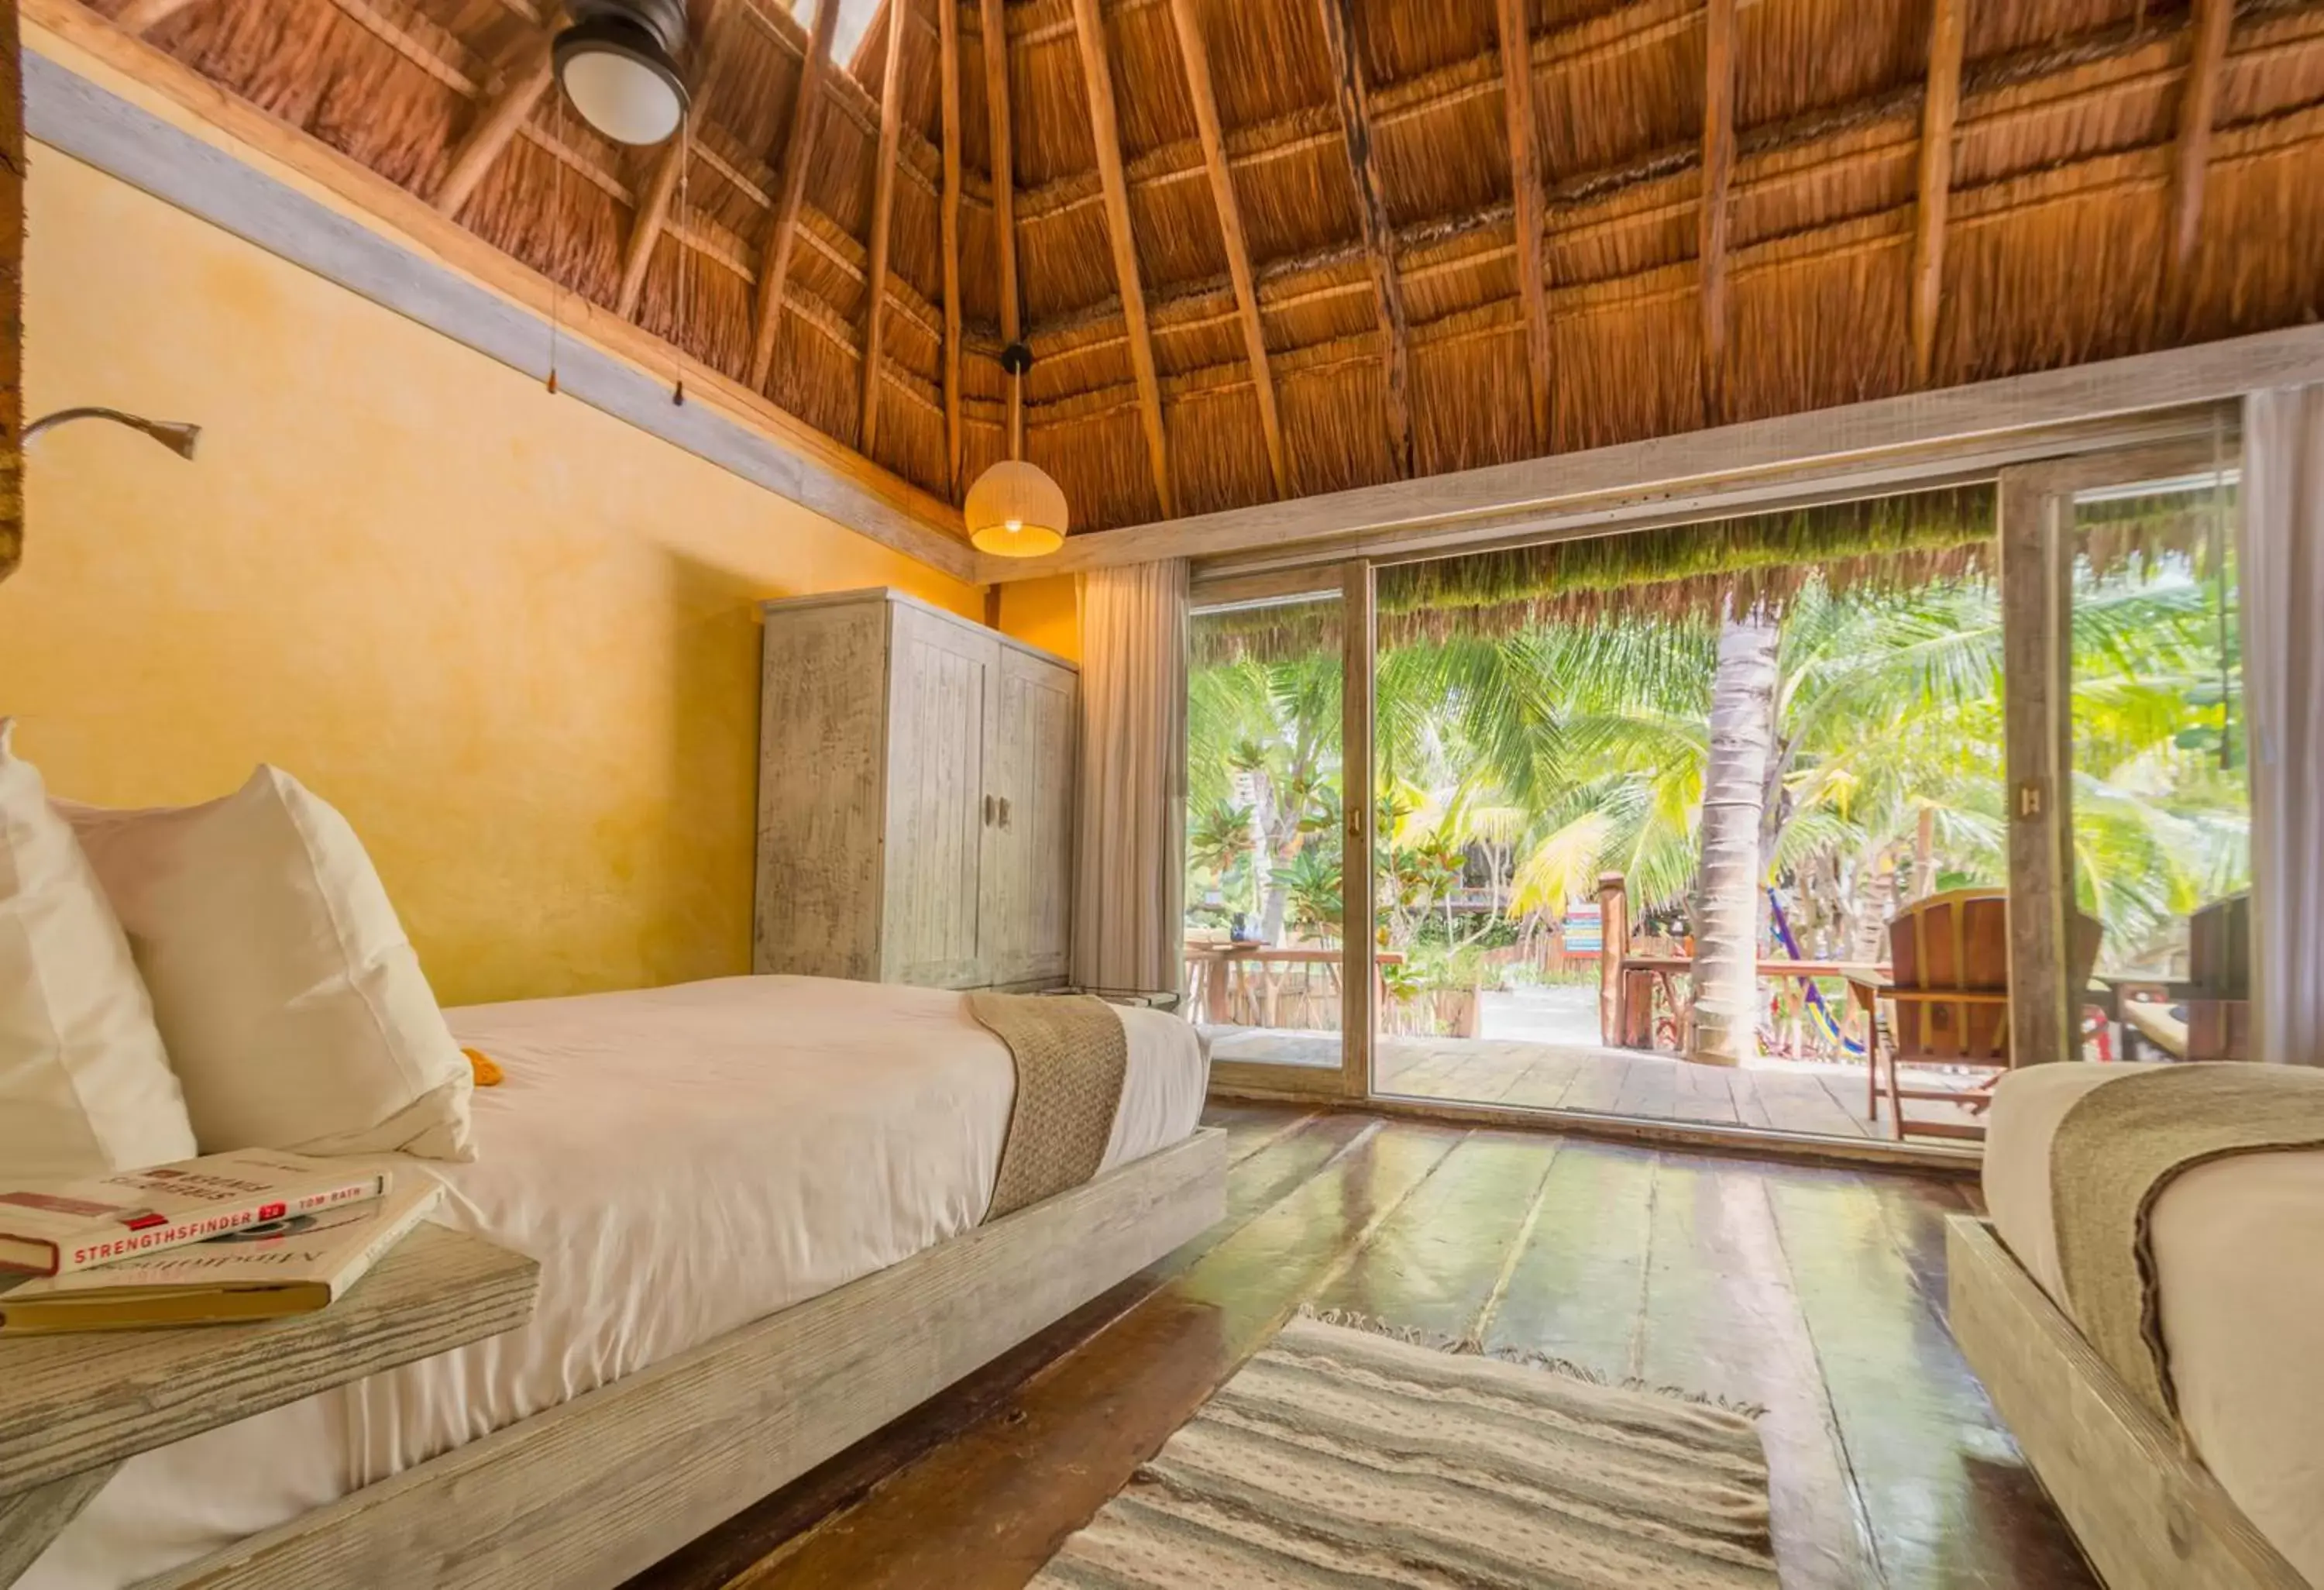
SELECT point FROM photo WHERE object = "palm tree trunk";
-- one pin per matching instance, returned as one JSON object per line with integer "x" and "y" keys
{"x": 1726, "y": 887}
{"x": 1877, "y": 903}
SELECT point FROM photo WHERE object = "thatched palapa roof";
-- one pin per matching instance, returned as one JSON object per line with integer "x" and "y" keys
{"x": 1365, "y": 238}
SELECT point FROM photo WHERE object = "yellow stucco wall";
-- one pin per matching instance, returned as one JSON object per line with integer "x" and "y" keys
{"x": 511, "y": 638}
{"x": 1044, "y": 613}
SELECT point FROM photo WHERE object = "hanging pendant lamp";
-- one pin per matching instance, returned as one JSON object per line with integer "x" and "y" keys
{"x": 1015, "y": 510}
{"x": 618, "y": 63}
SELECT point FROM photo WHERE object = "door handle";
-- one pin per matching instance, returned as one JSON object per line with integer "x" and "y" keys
{"x": 987, "y": 811}
{"x": 1004, "y": 811}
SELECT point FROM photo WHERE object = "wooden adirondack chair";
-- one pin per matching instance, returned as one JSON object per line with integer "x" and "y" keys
{"x": 1947, "y": 989}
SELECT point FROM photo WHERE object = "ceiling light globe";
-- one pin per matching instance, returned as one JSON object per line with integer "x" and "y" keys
{"x": 1015, "y": 511}
{"x": 622, "y": 78}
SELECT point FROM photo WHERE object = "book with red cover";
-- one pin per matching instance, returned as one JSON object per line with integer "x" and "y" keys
{"x": 54, "y": 1228}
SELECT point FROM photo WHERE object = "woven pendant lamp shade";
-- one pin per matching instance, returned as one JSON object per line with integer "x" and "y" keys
{"x": 1016, "y": 510}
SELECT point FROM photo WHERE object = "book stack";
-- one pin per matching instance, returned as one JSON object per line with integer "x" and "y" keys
{"x": 257, "y": 1233}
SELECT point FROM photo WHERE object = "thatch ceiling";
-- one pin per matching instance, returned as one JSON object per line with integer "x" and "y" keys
{"x": 1368, "y": 149}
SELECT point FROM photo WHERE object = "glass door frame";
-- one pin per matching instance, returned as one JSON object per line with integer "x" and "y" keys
{"x": 2036, "y": 505}
{"x": 1350, "y": 584}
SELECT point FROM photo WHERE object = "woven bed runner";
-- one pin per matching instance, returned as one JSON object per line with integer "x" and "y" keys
{"x": 1071, "y": 1056}
{"x": 2118, "y": 1148}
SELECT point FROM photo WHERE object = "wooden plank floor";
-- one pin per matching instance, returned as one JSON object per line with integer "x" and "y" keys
{"x": 1782, "y": 1095}
{"x": 1817, "y": 1294}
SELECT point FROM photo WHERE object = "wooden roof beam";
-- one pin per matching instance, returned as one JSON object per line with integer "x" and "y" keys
{"x": 1106, "y": 131}
{"x": 883, "y": 215}
{"x": 1197, "y": 56}
{"x": 1524, "y": 185}
{"x": 782, "y": 230}
{"x": 948, "y": 227}
{"x": 993, "y": 25}
{"x": 1371, "y": 207}
{"x": 495, "y": 124}
{"x": 1939, "y": 110}
{"x": 2199, "y": 101}
{"x": 1717, "y": 184}
{"x": 143, "y": 16}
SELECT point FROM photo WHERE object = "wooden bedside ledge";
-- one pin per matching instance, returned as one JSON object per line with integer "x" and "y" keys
{"x": 74, "y": 1407}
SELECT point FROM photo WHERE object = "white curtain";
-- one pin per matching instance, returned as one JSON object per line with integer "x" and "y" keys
{"x": 2282, "y": 574}
{"x": 1129, "y": 877}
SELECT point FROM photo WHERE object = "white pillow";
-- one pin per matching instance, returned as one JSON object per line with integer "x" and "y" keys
{"x": 293, "y": 1007}
{"x": 85, "y": 1088}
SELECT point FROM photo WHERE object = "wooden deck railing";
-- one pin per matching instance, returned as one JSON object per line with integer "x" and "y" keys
{"x": 1264, "y": 986}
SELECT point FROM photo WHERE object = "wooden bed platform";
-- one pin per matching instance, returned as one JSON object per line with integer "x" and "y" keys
{"x": 586, "y": 1493}
{"x": 2147, "y": 1514}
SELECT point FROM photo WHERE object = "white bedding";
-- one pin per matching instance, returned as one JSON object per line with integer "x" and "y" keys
{"x": 2239, "y": 1257}
{"x": 681, "y": 1161}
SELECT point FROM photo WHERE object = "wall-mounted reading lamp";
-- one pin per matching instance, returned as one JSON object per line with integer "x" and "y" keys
{"x": 176, "y": 435}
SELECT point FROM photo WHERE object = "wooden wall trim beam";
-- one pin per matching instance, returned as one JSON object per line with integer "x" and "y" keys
{"x": 1106, "y": 131}
{"x": 883, "y": 217}
{"x": 1717, "y": 184}
{"x": 1525, "y": 187}
{"x": 495, "y": 124}
{"x": 1372, "y": 209}
{"x": 1197, "y": 56}
{"x": 445, "y": 278}
{"x": 2199, "y": 100}
{"x": 1917, "y": 436}
{"x": 1940, "y": 108}
{"x": 782, "y": 229}
{"x": 948, "y": 230}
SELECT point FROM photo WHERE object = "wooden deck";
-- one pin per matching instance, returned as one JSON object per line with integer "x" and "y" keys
{"x": 1781, "y": 1095}
{"x": 1815, "y": 1293}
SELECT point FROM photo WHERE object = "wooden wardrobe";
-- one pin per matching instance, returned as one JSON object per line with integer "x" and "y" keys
{"x": 916, "y": 796}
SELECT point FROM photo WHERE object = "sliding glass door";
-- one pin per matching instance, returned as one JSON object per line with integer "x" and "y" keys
{"x": 1648, "y": 826}
{"x": 1265, "y": 839}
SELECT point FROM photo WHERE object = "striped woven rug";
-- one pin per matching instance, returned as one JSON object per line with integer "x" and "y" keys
{"x": 1359, "y": 1460}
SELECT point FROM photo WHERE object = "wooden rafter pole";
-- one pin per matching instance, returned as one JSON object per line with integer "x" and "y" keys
{"x": 948, "y": 224}
{"x": 994, "y": 22}
{"x": 1524, "y": 185}
{"x": 495, "y": 124}
{"x": 669, "y": 165}
{"x": 143, "y": 16}
{"x": 1371, "y": 207}
{"x": 1197, "y": 56}
{"x": 883, "y": 215}
{"x": 1940, "y": 108}
{"x": 1717, "y": 184}
{"x": 653, "y": 207}
{"x": 782, "y": 231}
{"x": 2198, "y": 103}
{"x": 1105, "y": 130}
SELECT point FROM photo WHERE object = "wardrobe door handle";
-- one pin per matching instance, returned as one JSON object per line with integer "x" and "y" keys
{"x": 987, "y": 811}
{"x": 1004, "y": 811}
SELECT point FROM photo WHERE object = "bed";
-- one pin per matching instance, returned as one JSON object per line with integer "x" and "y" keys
{"x": 756, "y": 1203}
{"x": 2238, "y": 1246}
